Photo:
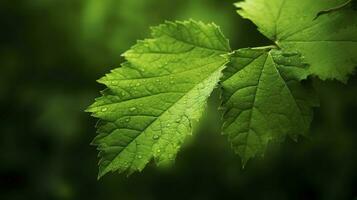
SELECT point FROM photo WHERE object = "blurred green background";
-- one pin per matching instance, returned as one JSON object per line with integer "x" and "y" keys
{"x": 51, "y": 53}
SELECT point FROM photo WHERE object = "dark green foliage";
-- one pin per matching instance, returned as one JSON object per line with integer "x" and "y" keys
{"x": 48, "y": 68}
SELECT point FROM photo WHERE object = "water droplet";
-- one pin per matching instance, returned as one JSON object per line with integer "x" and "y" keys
{"x": 104, "y": 109}
{"x": 155, "y": 137}
{"x": 172, "y": 82}
{"x": 114, "y": 82}
{"x": 177, "y": 120}
{"x": 122, "y": 93}
{"x": 140, "y": 157}
{"x": 150, "y": 88}
{"x": 127, "y": 120}
{"x": 138, "y": 84}
{"x": 132, "y": 109}
{"x": 158, "y": 151}
{"x": 157, "y": 80}
{"x": 168, "y": 125}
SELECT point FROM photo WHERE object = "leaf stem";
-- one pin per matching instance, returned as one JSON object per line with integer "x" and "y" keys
{"x": 333, "y": 9}
{"x": 267, "y": 47}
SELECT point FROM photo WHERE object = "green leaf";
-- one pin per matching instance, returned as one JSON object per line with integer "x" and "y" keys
{"x": 328, "y": 43}
{"x": 264, "y": 100}
{"x": 152, "y": 101}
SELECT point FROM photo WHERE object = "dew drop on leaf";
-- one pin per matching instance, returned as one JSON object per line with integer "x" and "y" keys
{"x": 104, "y": 109}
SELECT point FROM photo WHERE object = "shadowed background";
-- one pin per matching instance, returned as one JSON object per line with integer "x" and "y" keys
{"x": 51, "y": 53}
